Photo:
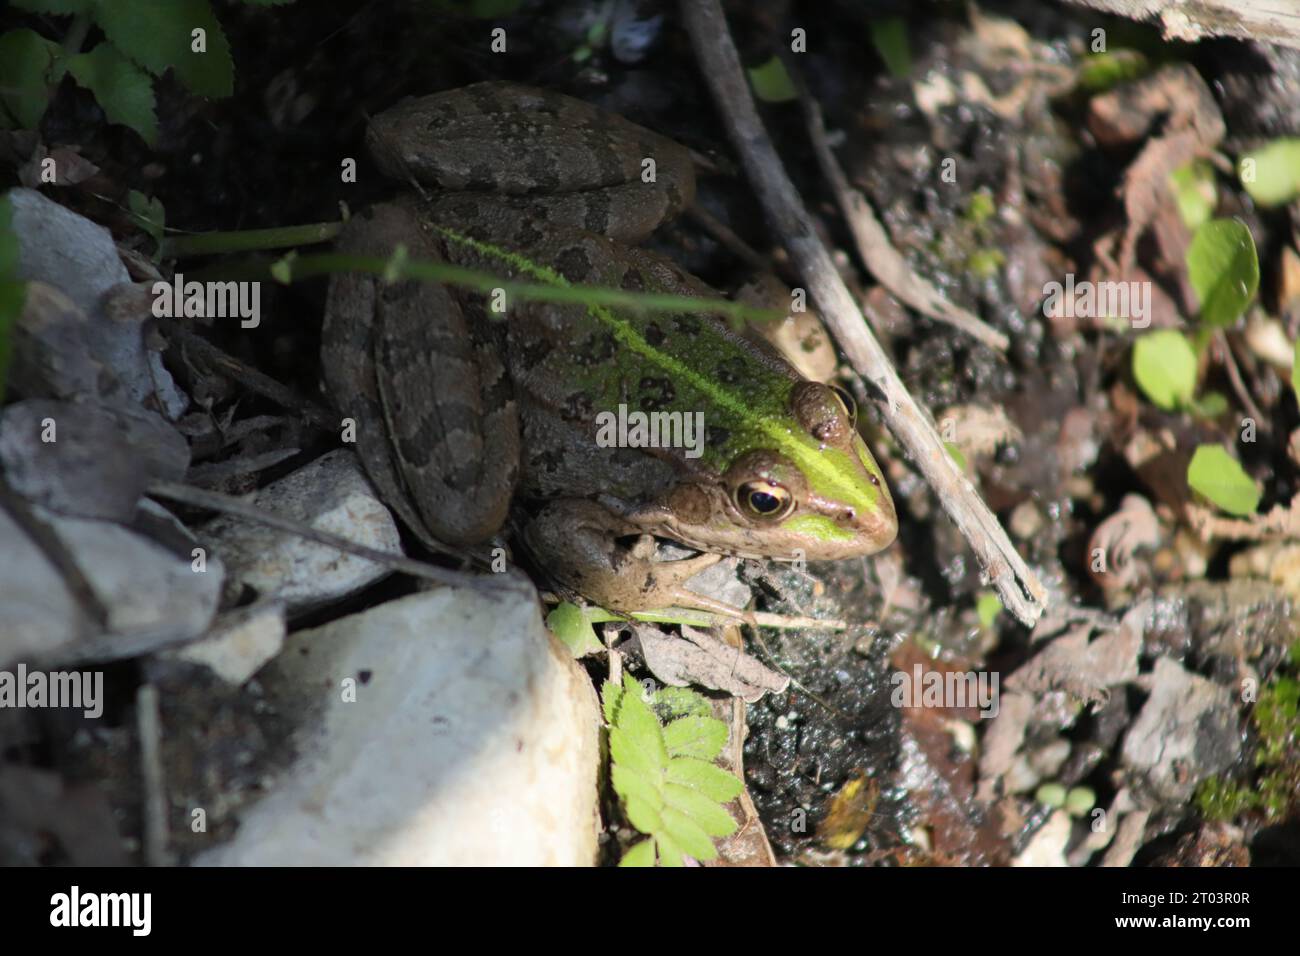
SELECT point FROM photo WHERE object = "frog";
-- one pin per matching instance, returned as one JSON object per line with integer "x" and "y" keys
{"x": 474, "y": 420}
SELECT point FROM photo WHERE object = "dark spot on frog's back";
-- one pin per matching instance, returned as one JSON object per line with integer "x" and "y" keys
{"x": 657, "y": 393}
{"x": 574, "y": 263}
{"x": 654, "y": 335}
{"x": 633, "y": 280}
{"x": 597, "y": 217}
{"x": 687, "y": 324}
{"x": 578, "y": 407}
{"x": 716, "y": 437}
{"x": 542, "y": 169}
{"x": 596, "y": 348}
{"x": 731, "y": 371}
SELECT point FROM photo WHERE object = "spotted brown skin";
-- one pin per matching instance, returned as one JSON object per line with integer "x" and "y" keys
{"x": 460, "y": 416}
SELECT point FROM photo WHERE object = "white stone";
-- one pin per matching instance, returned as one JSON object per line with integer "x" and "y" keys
{"x": 329, "y": 494}
{"x": 472, "y": 740}
{"x": 237, "y": 649}
{"x": 151, "y": 596}
{"x": 1047, "y": 845}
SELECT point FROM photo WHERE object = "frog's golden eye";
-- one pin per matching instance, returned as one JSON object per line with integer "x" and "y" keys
{"x": 764, "y": 499}
{"x": 850, "y": 406}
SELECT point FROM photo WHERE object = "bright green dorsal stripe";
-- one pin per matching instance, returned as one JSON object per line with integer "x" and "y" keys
{"x": 813, "y": 462}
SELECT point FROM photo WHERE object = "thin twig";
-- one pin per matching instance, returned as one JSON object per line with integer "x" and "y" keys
{"x": 876, "y": 251}
{"x": 154, "y": 803}
{"x": 236, "y": 507}
{"x": 1021, "y": 591}
{"x": 248, "y": 376}
{"x": 1238, "y": 383}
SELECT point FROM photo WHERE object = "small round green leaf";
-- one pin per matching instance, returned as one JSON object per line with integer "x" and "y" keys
{"x": 1164, "y": 366}
{"x": 1271, "y": 174}
{"x": 570, "y": 624}
{"x": 1218, "y": 476}
{"x": 1193, "y": 186}
{"x": 1224, "y": 270}
{"x": 772, "y": 83}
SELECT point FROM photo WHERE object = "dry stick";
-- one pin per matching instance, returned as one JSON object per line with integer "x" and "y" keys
{"x": 154, "y": 804}
{"x": 229, "y": 505}
{"x": 249, "y": 377}
{"x": 1238, "y": 383}
{"x": 875, "y": 249}
{"x": 1019, "y": 588}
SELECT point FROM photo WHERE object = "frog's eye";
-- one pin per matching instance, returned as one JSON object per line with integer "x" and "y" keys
{"x": 764, "y": 499}
{"x": 850, "y": 406}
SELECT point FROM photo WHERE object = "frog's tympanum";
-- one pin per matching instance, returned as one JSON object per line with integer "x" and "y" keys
{"x": 462, "y": 412}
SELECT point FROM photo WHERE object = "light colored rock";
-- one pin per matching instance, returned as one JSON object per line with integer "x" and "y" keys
{"x": 78, "y": 257}
{"x": 152, "y": 596}
{"x": 1186, "y": 731}
{"x": 1047, "y": 846}
{"x": 329, "y": 494}
{"x": 237, "y": 649}
{"x": 472, "y": 740}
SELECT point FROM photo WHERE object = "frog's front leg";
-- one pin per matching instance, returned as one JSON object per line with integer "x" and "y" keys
{"x": 577, "y": 543}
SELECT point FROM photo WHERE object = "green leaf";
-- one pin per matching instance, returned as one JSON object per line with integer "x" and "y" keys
{"x": 670, "y": 854}
{"x": 1217, "y": 475}
{"x": 1210, "y": 405}
{"x": 631, "y": 785}
{"x": 637, "y": 739}
{"x": 702, "y": 737}
{"x": 611, "y": 695}
{"x": 56, "y": 8}
{"x": 123, "y": 89}
{"x": 1223, "y": 269}
{"x": 13, "y": 291}
{"x": 13, "y": 294}
{"x": 1295, "y": 369}
{"x": 1276, "y": 168}
{"x": 707, "y": 778}
{"x": 771, "y": 82}
{"x": 25, "y": 91}
{"x": 889, "y": 37}
{"x": 9, "y": 249}
{"x": 687, "y": 834}
{"x": 149, "y": 214}
{"x": 681, "y": 702}
{"x": 640, "y": 854}
{"x": 644, "y": 816}
{"x": 1102, "y": 71}
{"x": 570, "y": 624}
{"x": 956, "y": 454}
{"x": 708, "y": 815}
{"x": 1193, "y": 187}
{"x": 1164, "y": 366}
{"x": 159, "y": 35}
{"x": 987, "y": 608}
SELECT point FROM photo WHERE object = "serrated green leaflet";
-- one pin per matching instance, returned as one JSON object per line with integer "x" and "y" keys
{"x": 701, "y": 737}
